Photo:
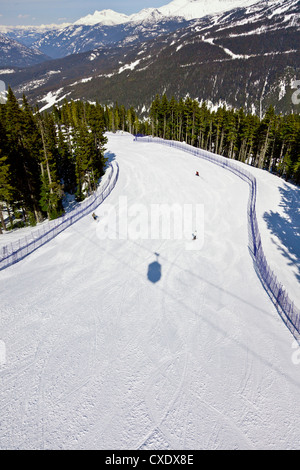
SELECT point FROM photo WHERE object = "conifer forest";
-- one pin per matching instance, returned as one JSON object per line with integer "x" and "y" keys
{"x": 44, "y": 156}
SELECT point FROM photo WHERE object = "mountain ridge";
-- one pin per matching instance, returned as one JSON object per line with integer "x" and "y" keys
{"x": 247, "y": 57}
{"x": 15, "y": 54}
{"x": 187, "y": 9}
{"x": 107, "y": 26}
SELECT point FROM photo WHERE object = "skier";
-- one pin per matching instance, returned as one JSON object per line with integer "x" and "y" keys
{"x": 94, "y": 216}
{"x": 195, "y": 235}
{"x": 197, "y": 173}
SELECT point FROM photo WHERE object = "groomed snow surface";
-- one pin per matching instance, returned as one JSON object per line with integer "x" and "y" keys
{"x": 109, "y": 346}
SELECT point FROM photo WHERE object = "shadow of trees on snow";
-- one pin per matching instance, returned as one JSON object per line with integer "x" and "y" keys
{"x": 287, "y": 228}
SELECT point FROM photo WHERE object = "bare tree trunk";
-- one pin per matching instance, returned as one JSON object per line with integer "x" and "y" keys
{"x": 9, "y": 215}
{"x": 2, "y": 220}
{"x": 248, "y": 153}
{"x": 264, "y": 150}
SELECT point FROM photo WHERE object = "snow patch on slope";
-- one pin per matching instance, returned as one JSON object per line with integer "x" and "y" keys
{"x": 131, "y": 66}
{"x": 6, "y": 71}
{"x": 52, "y": 98}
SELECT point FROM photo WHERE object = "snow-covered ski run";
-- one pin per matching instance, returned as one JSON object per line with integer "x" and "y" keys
{"x": 101, "y": 354}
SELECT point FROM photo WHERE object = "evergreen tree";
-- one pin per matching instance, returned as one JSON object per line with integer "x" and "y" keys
{"x": 154, "y": 115}
{"x": 173, "y": 115}
{"x": 6, "y": 189}
{"x": 265, "y": 134}
{"x": 21, "y": 158}
{"x": 51, "y": 191}
{"x": 271, "y": 143}
{"x": 65, "y": 164}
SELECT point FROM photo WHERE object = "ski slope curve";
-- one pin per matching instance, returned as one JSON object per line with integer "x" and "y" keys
{"x": 278, "y": 294}
{"x": 17, "y": 250}
{"x": 100, "y": 355}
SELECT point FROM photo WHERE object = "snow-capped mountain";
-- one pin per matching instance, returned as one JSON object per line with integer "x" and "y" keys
{"x": 108, "y": 27}
{"x": 193, "y": 9}
{"x": 81, "y": 38}
{"x": 149, "y": 15}
{"x": 248, "y": 57}
{"x": 104, "y": 17}
{"x": 15, "y": 54}
{"x": 187, "y": 9}
{"x": 28, "y": 35}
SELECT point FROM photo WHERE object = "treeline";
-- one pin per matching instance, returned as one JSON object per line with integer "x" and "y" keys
{"x": 118, "y": 118}
{"x": 43, "y": 156}
{"x": 272, "y": 143}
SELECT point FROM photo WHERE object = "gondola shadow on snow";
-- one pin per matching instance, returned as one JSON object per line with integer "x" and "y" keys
{"x": 154, "y": 271}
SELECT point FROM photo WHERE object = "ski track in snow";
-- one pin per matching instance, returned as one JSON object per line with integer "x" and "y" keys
{"x": 98, "y": 357}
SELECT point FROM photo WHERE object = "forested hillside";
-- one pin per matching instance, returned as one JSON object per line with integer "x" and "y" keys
{"x": 272, "y": 143}
{"x": 246, "y": 57}
{"x": 44, "y": 156}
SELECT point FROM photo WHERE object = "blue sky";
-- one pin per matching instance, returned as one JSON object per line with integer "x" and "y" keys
{"x": 36, "y": 12}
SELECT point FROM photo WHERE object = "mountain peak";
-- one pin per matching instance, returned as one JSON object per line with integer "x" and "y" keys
{"x": 147, "y": 15}
{"x": 193, "y": 9}
{"x": 188, "y": 9}
{"x": 105, "y": 17}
